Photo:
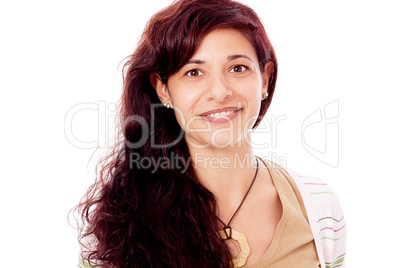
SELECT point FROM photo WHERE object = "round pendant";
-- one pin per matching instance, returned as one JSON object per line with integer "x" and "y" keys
{"x": 244, "y": 246}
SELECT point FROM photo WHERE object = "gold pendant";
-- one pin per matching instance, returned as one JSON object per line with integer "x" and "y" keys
{"x": 244, "y": 246}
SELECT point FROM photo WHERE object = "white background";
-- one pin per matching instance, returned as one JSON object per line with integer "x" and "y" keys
{"x": 57, "y": 54}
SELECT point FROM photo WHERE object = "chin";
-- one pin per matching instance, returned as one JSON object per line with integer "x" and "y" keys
{"x": 225, "y": 140}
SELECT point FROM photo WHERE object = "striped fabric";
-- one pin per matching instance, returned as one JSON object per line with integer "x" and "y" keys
{"x": 325, "y": 217}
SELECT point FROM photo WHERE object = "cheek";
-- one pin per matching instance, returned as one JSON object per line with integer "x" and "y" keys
{"x": 185, "y": 95}
{"x": 251, "y": 91}
{"x": 184, "y": 101}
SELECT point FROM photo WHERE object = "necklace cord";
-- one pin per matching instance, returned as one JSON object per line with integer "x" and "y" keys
{"x": 244, "y": 198}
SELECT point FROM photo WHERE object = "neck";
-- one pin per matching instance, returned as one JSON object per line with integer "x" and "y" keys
{"x": 226, "y": 172}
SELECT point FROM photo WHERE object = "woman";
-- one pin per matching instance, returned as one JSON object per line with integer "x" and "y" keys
{"x": 183, "y": 187}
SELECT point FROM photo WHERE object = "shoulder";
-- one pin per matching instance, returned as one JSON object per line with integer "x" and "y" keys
{"x": 324, "y": 198}
{"x": 325, "y": 215}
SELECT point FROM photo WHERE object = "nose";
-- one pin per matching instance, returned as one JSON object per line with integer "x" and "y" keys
{"x": 218, "y": 88}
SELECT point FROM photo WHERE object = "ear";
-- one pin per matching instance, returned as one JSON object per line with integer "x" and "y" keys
{"x": 160, "y": 88}
{"x": 268, "y": 69}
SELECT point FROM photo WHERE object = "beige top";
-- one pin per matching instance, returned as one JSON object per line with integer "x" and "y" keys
{"x": 293, "y": 243}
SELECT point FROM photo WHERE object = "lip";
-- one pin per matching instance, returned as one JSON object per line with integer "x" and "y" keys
{"x": 231, "y": 108}
{"x": 222, "y": 119}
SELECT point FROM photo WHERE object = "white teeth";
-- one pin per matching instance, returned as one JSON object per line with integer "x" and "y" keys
{"x": 218, "y": 115}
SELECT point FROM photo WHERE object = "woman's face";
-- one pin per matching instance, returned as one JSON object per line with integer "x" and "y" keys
{"x": 217, "y": 95}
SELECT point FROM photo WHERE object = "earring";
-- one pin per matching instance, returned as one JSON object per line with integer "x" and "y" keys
{"x": 264, "y": 96}
{"x": 167, "y": 105}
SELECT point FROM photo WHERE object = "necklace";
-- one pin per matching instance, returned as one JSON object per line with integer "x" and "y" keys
{"x": 229, "y": 233}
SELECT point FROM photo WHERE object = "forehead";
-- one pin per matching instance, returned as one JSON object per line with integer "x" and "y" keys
{"x": 224, "y": 42}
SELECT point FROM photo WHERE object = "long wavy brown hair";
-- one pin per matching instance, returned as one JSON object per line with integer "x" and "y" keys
{"x": 154, "y": 216}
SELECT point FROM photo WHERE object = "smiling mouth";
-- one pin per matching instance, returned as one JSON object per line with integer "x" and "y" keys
{"x": 222, "y": 116}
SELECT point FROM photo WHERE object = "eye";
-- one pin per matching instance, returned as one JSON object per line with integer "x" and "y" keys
{"x": 194, "y": 73}
{"x": 239, "y": 69}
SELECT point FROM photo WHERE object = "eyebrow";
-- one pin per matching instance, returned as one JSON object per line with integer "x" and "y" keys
{"x": 231, "y": 57}
{"x": 238, "y": 56}
{"x": 195, "y": 62}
